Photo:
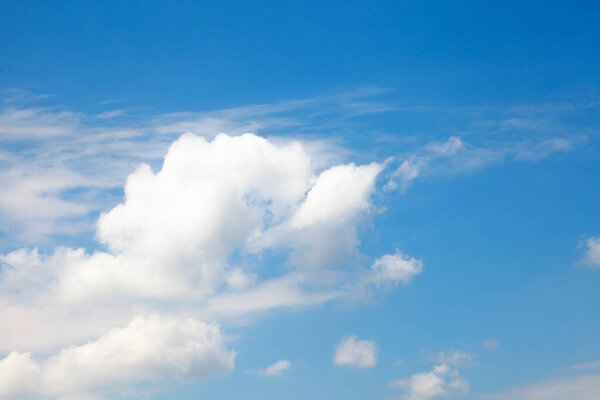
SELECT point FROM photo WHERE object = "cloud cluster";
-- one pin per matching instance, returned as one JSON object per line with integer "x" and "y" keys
{"x": 186, "y": 243}
{"x": 351, "y": 351}
{"x": 442, "y": 380}
{"x": 148, "y": 348}
{"x": 183, "y": 244}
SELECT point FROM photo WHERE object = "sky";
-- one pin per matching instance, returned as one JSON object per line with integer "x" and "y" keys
{"x": 265, "y": 200}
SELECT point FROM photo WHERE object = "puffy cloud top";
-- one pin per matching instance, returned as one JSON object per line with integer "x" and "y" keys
{"x": 148, "y": 348}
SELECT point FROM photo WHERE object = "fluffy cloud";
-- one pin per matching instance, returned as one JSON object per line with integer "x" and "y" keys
{"x": 174, "y": 232}
{"x": 442, "y": 380}
{"x": 148, "y": 348}
{"x": 354, "y": 352}
{"x": 395, "y": 268}
{"x": 592, "y": 254}
{"x": 275, "y": 369}
{"x": 169, "y": 246}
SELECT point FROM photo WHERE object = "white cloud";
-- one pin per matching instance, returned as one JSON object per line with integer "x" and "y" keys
{"x": 441, "y": 381}
{"x": 323, "y": 230}
{"x": 148, "y": 348}
{"x": 445, "y": 149}
{"x": 168, "y": 247}
{"x": 20, "y": 376}
{"x": 454, "y": 156}
{"x": 275, "y": 293}
{"x": 102, "y": 152}
{"x": 587, "y": 365}
{"x": 455, "y": 358}
{"x": 110, "y": 114}
{"x": 170, "y": 239}
{"x": 275, "y": 369}
{"x": 170, "y": 242}
{"x": 354, "y": 352}
{"x": 409, "y": 170}
{"x": 391, "y": 269}
{"x": 338, "y": 195}
{"x": 33, "y": 123}
{"x": 415, "y": 164}
{"x": 543, "y": 149}
{"x": 582, "y": 387}
{"x": 33, "y": 198}
{"x": 592, "y": 254}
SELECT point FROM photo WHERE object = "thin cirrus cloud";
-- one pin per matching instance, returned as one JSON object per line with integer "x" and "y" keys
{"x": 584, "y": 385}
{"x": 351, "y": 351}
{"x": 274, "y": 370}
{"x": 580, "y": 387}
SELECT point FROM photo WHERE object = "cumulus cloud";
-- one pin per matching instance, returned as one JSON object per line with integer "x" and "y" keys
{"x": 168, "y": 246}
{"x": 275, "y": 369}
{"x": 101, "y": 151}
{"x": 351, "y": 351}
{"x": 442, "y": 380}
{"x": 172, "y": 235}
{"x": 392, "y": 269}
{"x": 147, "y": 349}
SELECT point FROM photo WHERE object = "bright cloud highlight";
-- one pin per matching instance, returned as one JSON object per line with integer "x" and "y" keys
{"x": 168, "y": 247}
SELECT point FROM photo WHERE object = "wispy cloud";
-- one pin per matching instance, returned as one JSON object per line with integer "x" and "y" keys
{"x": 582, "y": 387}
{"x": 102, "y": 148}
{"x": 592, "y": 251}
{"x": 274, "y": 370}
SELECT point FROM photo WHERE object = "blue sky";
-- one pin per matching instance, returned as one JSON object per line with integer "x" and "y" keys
{"x": 413, "y": 216}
